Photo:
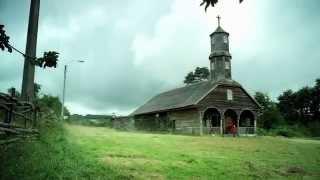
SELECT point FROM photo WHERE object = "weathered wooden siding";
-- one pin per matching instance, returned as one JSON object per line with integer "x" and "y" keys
{"x": 123, "y": 123}
{"x": 145, "y": 122}
{"x": 218, "y": 98}
{"x": 185, "y": 118}
{"x": 152, "y": 122}
{"x": 186, "y": 121}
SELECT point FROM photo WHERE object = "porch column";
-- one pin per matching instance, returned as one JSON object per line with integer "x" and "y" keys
{"x": 238, "y": 121}
{"x": 221, "y": 121}
{"x": 255, "y": 123}
{"x": 201, "y": 126}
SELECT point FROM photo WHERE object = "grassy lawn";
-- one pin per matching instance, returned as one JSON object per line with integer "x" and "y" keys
{"x": 91, "y": 152}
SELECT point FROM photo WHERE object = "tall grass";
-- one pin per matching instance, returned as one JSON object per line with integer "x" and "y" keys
{"x": 53, "y": 156}
{"x": 79, "y": 152}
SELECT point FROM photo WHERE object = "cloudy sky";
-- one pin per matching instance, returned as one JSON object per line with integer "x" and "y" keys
{"x": 135, "y": 49}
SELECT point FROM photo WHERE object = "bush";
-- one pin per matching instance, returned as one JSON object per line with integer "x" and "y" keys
{"x": 288, "y": 131}
{"x": 314, "y": 128}
{"x": 262, "y": 132}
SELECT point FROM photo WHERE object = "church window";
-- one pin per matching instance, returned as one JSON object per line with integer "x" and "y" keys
{"x": 229, "y": 95}
{"x": 225, "y": 39}
{"x": 227, "y": 64}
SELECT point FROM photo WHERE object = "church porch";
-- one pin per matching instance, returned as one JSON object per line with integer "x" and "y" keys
{"x": 228, "y": 121}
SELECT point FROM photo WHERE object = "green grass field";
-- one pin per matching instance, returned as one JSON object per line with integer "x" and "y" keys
{"x": 100, "y": 153}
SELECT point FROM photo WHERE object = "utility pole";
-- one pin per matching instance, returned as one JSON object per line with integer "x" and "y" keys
{"x": 64, "y": 91}
{"x": 64, "y": 85}
{"x": 27, "y": 91}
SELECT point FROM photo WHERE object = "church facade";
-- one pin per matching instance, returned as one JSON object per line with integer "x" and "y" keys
{"x": 217, "y": 106}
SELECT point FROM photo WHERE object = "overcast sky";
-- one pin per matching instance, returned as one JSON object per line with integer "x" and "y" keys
{"x": 135, "y": 49}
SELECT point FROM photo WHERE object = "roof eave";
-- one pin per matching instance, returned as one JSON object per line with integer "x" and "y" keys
{"x": 165, "y": 110}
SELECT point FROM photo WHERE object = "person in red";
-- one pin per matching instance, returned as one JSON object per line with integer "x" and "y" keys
{"x": 234, "y": 129}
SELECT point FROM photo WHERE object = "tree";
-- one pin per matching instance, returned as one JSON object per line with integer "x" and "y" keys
{"x": 199, "y": 74}
{"x": 48, "y": 103}
{"x": 263, "y": 99}
{"x": 189, "y": 78}
{"x": 302, "y": 106}
{"x": 4, "y": 40}
{"x": 287, "y": 107}
{"x": 271, "y": 116}
{"x": 207, "y": 3}
{"x": 315, "y": 105}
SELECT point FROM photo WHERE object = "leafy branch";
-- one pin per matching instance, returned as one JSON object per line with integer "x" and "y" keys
{"x": 49, "y": 59}
{"x": 207, "y": 3}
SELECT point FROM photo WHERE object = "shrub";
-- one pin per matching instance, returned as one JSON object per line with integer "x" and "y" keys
{"x": 288, "y": 131}
{"x": 262, "y": 132}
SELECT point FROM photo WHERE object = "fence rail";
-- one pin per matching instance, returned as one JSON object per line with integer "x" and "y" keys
{"x": 246, "y": 130}
{"x": 214, "y": 130}
{"x": 16, "y": 116}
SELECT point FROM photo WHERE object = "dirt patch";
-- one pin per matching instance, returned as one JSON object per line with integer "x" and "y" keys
{"x": 296, "y": 170}
{"x": 292, "y": 171}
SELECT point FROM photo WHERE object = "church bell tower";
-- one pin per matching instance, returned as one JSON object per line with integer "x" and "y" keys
{"x": 220, "y": 57}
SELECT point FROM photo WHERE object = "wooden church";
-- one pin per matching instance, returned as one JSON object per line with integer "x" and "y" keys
{"x": 217, "y": 106}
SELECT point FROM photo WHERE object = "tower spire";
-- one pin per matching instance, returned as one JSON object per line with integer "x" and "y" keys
{"x": 218, "y": 17}
{"x": 220, "y": 57}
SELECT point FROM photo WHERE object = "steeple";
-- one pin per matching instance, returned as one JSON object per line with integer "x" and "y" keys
{"x": 220, "y": 57}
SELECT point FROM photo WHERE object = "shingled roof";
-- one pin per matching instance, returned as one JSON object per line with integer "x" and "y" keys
{"x": 219, "y": 30}
{"x": 181, "y": 97}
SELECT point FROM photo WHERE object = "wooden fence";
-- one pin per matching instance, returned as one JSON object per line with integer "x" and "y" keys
{"x": 16, "y": 117}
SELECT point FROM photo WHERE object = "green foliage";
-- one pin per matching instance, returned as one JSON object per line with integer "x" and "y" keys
{"x": 189, "y": 78}
{"x": 49, "y": 59}
{"x": 314, "y": 128}
{"x": 301, "y": 107}
{"x": 207, "y": 3}
{"x": 91, "y": 120}
{"x": 199, "y": 74}
{"x": 48, "y": 103}
{"x": 285, "y": 131}
{"x": 4, "y": 40}
{"x": 53, "y": 156}
{"x": 271, "y": 116}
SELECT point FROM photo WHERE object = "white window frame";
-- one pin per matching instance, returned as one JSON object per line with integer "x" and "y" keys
{"x": 229, "y": 95}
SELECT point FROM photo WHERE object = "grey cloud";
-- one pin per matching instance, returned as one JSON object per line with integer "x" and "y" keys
{"x": 135, "y": 49}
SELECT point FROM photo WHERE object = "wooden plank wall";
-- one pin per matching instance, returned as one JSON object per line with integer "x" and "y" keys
{"x": 186, "y": 121}
{"x": 218, "y": 98}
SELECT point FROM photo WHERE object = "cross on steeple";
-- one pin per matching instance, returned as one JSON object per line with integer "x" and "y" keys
{"x": 218, "y": 17}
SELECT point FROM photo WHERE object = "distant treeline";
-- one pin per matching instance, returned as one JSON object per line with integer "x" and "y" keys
{"x": 296, "y": 113}
{"x": 91, "y": 120}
